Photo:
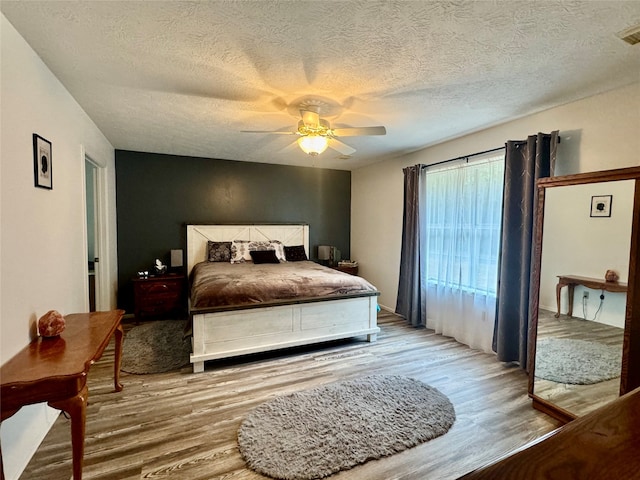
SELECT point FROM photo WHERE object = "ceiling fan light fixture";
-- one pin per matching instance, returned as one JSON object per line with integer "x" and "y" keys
{"x": 313, "y": 144}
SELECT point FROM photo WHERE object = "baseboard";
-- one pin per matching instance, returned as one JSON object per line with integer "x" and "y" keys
{"x": 386, "y": 309}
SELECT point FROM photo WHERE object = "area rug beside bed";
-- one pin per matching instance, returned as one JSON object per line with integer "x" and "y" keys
{"x": 156, "y": 347}
{"x": 315, "y": 433}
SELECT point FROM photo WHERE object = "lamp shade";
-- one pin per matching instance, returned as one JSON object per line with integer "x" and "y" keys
{"x": 313, "y": 144}
{"x": 176, "y": 258}
{"x": 324, "y": 252}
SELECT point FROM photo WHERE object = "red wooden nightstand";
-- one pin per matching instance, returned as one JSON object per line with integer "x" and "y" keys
{"x": 159, "y": 296}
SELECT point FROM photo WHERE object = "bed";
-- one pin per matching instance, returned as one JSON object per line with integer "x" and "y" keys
{"x": 230, "y": 322}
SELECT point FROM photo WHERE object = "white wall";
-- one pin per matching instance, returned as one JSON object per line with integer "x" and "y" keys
{"x": 598, "y": 133}
{"x": 42, "y": 237}
{"x": 577, "y": 244}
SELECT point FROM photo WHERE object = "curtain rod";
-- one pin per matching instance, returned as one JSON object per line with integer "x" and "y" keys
{"x": 466, "y": 157}
{"x": 463, "y": 157}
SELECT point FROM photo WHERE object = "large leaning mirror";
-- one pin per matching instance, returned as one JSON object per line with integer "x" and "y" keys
{"x": 585, "y": 304}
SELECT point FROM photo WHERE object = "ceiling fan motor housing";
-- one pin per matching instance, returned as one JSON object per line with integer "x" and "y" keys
{"x": 321, "y": 128}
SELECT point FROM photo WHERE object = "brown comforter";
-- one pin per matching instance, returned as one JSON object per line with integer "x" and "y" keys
{"x": 221, "y": 284}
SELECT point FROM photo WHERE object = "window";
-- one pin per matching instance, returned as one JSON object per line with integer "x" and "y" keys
{"x": 463, "y": 216}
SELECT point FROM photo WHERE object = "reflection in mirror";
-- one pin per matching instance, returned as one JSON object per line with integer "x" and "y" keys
{"x": 579, "y": 351}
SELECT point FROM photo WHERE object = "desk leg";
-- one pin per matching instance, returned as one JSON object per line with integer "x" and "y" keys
{"x": 76, "y": 407}
{"x": 118, "y": 358}
{"x": 570, "y": 308}
{"x": 558, "y": 290}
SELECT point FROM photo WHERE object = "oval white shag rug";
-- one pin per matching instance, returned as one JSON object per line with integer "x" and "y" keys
{"x": 315, "y": 433}
{"x": 155, "y": 347}
{"x": 576, "y": 362}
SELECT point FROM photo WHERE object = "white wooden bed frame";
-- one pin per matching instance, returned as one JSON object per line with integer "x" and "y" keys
{"x": 234, "y": 332}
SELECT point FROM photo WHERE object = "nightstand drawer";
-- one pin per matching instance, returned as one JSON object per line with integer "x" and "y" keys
{"x": 151, "y": 308}
{"x": 159, "y": 288}
{"x": 154, "y": 301}
{"x": 159, "y": 296}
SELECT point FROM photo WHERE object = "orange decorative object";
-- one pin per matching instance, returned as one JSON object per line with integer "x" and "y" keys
{"x": 51, "y": 324}
{"x": 611, "y": 276}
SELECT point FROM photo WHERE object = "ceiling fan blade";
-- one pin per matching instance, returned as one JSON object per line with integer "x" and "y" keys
{"x": 310, "y": 119}
{"x": 277, "y": 132}
{"x": 353, "y": 132}
{"x": 343, "y": 148}
{"x": 293, "y": 146}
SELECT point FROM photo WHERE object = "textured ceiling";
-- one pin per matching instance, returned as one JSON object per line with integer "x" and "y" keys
{"x": 186, "y": 78}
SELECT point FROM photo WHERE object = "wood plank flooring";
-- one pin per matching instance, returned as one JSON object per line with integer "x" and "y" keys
{"x": 181, "y": 425}
{"x": 578, "y": 399}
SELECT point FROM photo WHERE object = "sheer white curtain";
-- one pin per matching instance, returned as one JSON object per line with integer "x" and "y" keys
{"x": 462, "y": 218}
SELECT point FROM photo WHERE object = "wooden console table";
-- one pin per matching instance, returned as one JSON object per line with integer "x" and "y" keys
{"x": 597, "y": 284}
{"x": 54, "y": 370}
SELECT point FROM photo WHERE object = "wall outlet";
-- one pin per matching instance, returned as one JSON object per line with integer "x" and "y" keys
{"x": 585, "y": 294}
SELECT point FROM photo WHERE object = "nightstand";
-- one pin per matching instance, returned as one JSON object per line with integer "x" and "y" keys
{"x": 159, "y": 296}
{"x": 347, "y": 269}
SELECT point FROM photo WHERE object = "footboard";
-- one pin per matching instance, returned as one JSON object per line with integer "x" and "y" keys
{"x": 240, "y": 332}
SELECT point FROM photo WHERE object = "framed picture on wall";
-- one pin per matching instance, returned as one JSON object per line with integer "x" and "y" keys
{"x": 601, "y": 205}
{"x": 42, "y": 166}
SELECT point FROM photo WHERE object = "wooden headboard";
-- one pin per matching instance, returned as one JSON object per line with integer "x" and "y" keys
{"x": 199, "y": 235}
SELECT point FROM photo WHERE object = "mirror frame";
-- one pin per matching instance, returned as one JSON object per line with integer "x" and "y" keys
{"x": 630, "y": 371}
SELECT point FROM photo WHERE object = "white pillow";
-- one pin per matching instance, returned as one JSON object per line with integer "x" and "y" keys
{"x": 278, "y": 246}
{"x": 240, "y": 249}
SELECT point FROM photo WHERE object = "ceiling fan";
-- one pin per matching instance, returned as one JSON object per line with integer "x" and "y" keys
{"x": 315, "y": 133}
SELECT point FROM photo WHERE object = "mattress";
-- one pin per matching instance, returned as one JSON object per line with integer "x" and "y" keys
{"x": 222, "y": 285}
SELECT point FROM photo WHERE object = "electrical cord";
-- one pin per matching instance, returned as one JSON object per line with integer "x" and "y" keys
{"x": 584, "y": 306}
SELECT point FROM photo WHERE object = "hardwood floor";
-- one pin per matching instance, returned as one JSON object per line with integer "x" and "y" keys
{"x": 578, "y": 399}
{"x": 181, "y": 425}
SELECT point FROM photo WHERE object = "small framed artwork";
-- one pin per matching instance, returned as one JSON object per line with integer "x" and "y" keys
{"x": 601, "y": 205}
{"x": 42, "y": 166}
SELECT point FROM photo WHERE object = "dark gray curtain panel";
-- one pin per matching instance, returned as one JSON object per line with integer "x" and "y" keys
{"x": 525, "y": 162}
{"x": 411, "y": 299}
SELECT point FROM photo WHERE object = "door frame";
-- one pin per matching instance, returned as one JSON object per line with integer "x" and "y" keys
{"x": 102, "y": 282}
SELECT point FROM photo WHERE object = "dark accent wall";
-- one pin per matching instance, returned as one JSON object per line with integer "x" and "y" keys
{"x": 158, "y": 195}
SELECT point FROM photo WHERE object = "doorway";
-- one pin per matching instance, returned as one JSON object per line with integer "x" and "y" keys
{"x": 97, "y": 255}
{"x": 92, "y": 259}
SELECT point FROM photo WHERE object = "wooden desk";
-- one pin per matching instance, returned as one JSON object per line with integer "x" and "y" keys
{"x": 597, "y": 284}
{"x": 602, "y": 445}
{"x": 54, "y": 370}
